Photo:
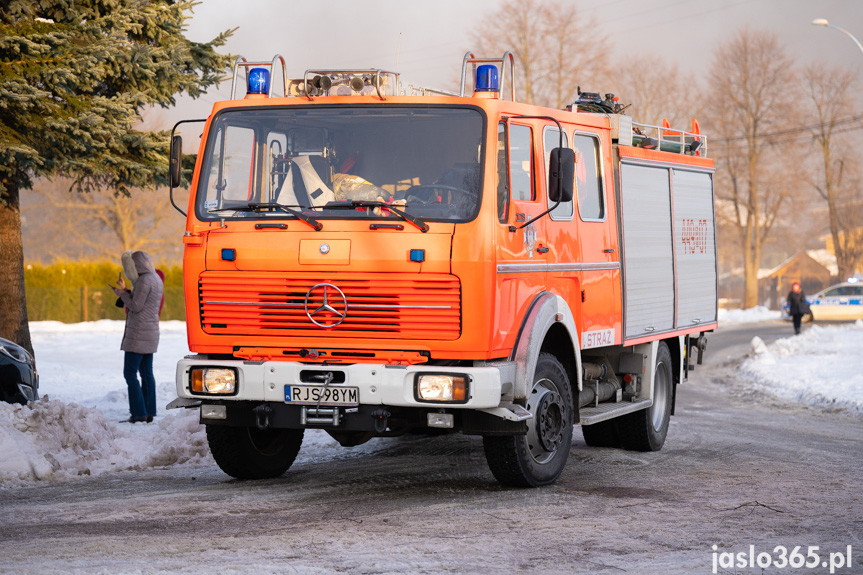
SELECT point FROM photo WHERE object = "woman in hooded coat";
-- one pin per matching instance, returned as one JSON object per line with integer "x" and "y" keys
{"x": 141, "y": 337}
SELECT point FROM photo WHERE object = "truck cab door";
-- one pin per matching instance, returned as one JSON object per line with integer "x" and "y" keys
{"x": 520, "y": 251}
{"x": 564, "y": 239}
{"x": 600, "y": 256}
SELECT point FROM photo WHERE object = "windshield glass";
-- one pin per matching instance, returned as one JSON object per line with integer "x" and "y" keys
{"x": 422, "y": 161}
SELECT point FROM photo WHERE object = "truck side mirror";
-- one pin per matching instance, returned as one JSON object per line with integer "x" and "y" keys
{"x": 561, "y": 174}
{"x": 176, "y": 155}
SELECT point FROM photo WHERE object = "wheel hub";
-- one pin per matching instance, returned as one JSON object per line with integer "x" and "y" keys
{"x": 549, "y": 420}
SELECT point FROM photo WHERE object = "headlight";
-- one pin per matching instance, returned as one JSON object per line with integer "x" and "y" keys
{"x": 218, "y": 380}
{"x": 15, "y": 351}
{"x": 441, "y": 387}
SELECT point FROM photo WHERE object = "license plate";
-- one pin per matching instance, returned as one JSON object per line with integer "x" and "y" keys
{"x": 318, "y": 394}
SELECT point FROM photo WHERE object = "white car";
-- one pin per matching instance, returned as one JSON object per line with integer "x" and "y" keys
{"x": 842, "y": 302}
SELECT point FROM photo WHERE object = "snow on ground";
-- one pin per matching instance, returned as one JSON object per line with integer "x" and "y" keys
{"x": 754, "y": 314}
{"x": 819, "y": 367}
{"x": 74, "y": 429}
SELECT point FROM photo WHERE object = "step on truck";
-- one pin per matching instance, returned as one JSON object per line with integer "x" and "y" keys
{"x": 371, "y": 259}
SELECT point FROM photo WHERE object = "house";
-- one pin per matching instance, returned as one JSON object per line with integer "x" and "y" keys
{"x": 814, "y": 269}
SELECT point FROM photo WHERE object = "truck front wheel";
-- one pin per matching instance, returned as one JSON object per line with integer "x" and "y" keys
{"x": 538, "y": 457}
{"x": 645, "y": 430}
{"x": 252, "y": 453}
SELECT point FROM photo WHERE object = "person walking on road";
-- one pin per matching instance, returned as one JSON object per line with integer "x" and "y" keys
{"x": 797, "y": 306}
{"x": 141, "y": 336}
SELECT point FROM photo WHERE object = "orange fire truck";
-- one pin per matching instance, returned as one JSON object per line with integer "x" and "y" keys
{"x": 368, "y": 259}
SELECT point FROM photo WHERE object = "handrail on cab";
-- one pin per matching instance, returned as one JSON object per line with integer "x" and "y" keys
{"x": 241, "y": 62}
{"x": 469, "y": 58}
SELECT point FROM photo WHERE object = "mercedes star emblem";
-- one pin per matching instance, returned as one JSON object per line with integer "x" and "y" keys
{"x": 325, "y": 306}
{"x": 325, "y": 249}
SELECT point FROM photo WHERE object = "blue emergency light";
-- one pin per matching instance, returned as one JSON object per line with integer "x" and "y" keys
{"x": 486, "y": 79}
{"x": 229, "y": 254}
{"x": 259, "y": 81}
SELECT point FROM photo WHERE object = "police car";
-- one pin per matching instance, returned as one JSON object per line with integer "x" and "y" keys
{"x": 838, "y": 302}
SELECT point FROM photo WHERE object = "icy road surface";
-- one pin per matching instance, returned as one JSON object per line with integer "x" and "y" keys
{"x": 745, "y": 464}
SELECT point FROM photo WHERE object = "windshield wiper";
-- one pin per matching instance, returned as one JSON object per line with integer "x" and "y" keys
{"x": 274, "y": 206}
{"x": 349, "y": 205}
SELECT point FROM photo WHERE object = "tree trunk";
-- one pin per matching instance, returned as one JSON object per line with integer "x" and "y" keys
{"x": 13, "y": 305}
{"x": 751, "y": 259}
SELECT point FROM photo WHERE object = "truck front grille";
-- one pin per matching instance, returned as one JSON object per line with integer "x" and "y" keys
{"x": 402, "y": 306}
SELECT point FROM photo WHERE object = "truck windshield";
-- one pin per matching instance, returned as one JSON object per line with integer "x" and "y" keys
{"x": 424, "y": 162}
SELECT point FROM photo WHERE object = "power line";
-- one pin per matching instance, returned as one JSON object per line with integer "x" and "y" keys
{"x": 683, "y": 17}
{"x": 649, "y": 11}
{"x": 796, "y": 138}
{"x": 789, "y": 131}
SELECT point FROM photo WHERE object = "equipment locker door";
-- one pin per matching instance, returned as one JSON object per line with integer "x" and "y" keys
{"x": 645, "y": 207}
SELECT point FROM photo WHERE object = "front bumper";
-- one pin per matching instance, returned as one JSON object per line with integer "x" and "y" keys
{"x": 378, "y": 384}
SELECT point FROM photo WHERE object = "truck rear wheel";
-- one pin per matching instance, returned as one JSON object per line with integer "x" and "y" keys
{"x": 645, "y": 430}
{"x": 537, "y": 458}
{"x": 252, "y": 453}
{"x": 602, "y": 434}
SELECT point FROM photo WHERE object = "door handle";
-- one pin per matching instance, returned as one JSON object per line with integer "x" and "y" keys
{"x": 608, "y": 251}
{"x": 542, "y": 250}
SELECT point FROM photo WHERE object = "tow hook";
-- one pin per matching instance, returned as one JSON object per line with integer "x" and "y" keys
{"x": 701, "y": 344}
{"x": 262, "y": 416}
{"x": 381, "y": 416}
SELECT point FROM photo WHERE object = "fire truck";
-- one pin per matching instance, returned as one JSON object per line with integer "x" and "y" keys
{"x": 370, "y": 259}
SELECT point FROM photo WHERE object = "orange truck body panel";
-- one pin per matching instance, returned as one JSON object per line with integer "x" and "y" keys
{"x": 462, "y": 256}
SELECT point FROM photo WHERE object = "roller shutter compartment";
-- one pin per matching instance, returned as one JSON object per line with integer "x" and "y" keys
{"x": 648, "y": 261}
{"x": 695, "y": 247}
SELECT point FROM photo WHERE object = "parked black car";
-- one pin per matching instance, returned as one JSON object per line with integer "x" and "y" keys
{"x": 19, "y": 381}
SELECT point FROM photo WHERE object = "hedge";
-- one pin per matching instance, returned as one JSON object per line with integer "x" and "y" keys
{"x": 75, "y": 291}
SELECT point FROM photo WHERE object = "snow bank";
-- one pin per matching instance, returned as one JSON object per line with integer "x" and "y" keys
{"x": 73, "y": 430}
{"x": 52, "y": 440}
{"x": 751, "y": 315}
{"x": 820, "y": 367}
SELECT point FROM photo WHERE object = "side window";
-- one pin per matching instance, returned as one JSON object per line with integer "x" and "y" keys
{"x": 588, "y": 178}
{"x": 521, "y": 163}
{"x": 833, "y": 293}
{"x": 551, "y": 140}
{"x": 502, "y": 174}
{"x": 857, "y": 291}
{"x": 229, "y": 177}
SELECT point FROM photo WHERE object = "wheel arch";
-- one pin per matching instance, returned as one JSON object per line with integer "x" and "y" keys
{"x": 548, "y": 326}
{"x": 675, "y": 347}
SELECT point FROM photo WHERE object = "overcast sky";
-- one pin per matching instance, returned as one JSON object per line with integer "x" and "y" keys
{"x": 428, "y": 38}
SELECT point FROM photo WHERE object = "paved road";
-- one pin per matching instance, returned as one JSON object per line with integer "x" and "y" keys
{"x": 737, "y": 470}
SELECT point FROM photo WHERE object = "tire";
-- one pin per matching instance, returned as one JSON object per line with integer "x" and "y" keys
{"x": 250, "y": 453}
{"x": 602, "y": 434}
{"x": 537, "y": 458}
{"x": 645, "y": 430}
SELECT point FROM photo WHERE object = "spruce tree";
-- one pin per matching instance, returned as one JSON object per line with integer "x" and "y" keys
{"x": 75, "y": 76}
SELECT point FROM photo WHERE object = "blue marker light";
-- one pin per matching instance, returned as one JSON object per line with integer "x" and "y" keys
{"x": 229, "y": 254}
{"x": 418, "y": 255}
{"x": 486, "y": 79}
{"x": 259, "y": 81}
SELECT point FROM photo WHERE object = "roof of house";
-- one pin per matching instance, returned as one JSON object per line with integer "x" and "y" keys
{"x": 821, "y": 257}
